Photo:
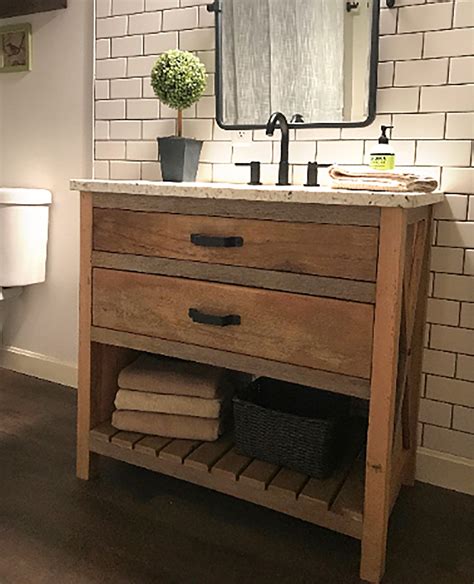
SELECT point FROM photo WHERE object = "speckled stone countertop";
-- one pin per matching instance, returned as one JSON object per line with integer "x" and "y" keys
{"x": 264, "y": 193}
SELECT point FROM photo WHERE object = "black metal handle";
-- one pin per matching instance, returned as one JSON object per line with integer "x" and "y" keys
{"x": 212, "y": 319}
{"x": 313, "y": 168}
{"x": 216, "y": 240}
{"x": 254, "y": 171}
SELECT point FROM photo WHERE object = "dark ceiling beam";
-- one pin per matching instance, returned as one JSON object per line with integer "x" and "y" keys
{"x": 10, "y": 8}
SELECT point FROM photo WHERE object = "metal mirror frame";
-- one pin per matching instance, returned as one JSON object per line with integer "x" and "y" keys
{"x": 216, "y": 7}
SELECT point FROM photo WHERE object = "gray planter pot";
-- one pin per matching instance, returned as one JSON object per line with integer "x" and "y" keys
{"x": 179, "y": 158}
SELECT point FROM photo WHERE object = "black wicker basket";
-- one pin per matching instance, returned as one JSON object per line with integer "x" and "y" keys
{"x": 290, "y": 425}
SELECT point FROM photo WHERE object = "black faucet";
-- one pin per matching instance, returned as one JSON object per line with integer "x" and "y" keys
{"x": 279, "y": 120}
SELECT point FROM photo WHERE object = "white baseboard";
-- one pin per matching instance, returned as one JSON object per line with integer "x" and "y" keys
{"x": 38, "y": 365}
{"x": 445, "y": 470}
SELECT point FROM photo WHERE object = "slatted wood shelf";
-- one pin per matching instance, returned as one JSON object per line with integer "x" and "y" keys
{"x": 335, "y": 503}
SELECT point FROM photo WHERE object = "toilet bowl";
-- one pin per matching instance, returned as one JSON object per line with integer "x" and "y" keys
{"x": 24, "y": 219}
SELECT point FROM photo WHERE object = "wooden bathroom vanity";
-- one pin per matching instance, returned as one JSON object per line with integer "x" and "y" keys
{"x": 330, "y": 289}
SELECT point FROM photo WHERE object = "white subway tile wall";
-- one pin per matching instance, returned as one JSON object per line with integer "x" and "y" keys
{"x": 426, "y": 89}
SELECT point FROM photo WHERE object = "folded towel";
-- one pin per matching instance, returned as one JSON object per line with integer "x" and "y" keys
{"x": 170, "y": 404}
{"x": 374, "y": 180}
{"x": 167, "y": 425}
{"x": 171, "y": 376}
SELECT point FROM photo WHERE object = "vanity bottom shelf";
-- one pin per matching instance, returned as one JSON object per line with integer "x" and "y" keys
{"x": 335, "y": 503}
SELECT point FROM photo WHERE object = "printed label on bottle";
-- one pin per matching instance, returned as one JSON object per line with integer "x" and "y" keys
{"x": 382, "y": 161}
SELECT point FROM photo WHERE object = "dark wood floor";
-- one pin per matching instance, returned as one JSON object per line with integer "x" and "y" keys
{"x": 132, "y": 526}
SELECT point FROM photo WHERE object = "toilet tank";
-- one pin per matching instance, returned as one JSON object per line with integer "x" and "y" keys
{"x": 24, "y": 217}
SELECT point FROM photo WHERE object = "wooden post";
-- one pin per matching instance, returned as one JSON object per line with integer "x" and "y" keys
{"x": 85, "y": 360}
{"x": 392, "y": 244}
{"x": 99, "y": 364}
{"x": 415, "y": 372}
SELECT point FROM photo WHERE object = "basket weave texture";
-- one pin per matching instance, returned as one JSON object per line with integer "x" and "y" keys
{"x": 291, "y": 425}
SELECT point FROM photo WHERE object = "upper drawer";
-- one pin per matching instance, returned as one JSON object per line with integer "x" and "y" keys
{"x": 319, "y": 333}
{"x": 341, "y": 251}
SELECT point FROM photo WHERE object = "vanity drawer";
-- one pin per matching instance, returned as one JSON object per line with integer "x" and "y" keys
{"x": 342, "y": 251}
{"x": 320, "y": 333}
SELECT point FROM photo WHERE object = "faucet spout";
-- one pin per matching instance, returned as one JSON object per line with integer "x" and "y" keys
{"x": 278, "y": 120}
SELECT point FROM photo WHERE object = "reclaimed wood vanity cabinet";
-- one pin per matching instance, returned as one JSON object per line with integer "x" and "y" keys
{"x": 330, "y": 291}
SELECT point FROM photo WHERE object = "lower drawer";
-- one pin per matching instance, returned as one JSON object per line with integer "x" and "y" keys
{"x": 320, "y": 333}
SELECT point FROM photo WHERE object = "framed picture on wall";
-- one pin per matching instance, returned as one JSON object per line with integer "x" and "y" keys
{"x": 15, "y": 48}
{"x": 10, "y": 8}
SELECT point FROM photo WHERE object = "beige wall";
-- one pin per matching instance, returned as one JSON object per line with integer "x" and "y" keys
{"x": 1, "y": 132}
{"x": 46, "y": 137}
{"x": 425, "y": 89}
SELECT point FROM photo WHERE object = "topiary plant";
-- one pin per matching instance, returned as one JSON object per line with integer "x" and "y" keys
{"x": 178, "y": 79}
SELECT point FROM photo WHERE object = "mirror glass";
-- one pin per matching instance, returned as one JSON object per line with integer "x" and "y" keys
{"x": 313, "y": 60}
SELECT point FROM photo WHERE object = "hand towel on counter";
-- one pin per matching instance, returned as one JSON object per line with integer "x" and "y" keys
{"x": 374, "y": 180}
{"x": 153, "y": 374}
{"x": 170, "y": 404}
{"x": 169, "y": 426}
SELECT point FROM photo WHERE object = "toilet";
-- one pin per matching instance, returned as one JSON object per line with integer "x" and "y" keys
{"x": 24, "y": 218}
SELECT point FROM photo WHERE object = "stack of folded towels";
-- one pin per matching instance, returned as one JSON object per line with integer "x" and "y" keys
{"x": 172, "y": 398}
{"x": 374, "y": 180}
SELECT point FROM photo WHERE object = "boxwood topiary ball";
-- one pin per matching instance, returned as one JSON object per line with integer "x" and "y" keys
{"x": 178, "y": 79}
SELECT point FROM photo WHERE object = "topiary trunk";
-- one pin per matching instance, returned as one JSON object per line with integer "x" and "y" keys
{"x": 180, "y": 123}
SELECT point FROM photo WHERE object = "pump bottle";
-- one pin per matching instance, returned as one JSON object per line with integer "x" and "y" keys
{"x": 382, "y": 155}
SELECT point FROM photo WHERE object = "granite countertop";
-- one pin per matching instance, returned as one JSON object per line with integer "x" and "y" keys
{"x": 264, "y": 193}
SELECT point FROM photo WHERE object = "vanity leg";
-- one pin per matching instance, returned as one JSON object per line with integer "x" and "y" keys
{"x": 83, "y": 460}
{"x": 415, "y": 373}
{"x": 392, "y": 243}
{"x": 99, "y": 365}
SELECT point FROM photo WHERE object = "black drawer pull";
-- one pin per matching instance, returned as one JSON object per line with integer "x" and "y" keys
{"x": 202, "y": 318}
{"x": 216, "y": 241}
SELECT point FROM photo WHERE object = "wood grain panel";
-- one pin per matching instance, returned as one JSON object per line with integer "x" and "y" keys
{"x": 377, "y": 500}
{"x": 344, "y": 384}
{"x": 323, "y": 492}
{"x": 343, "y": 251}
{"x": 206, "y": 455}
{"x": 104, "y": 432}
{"x": 283, "y": 211}
{"x": 259, "y": 474}
{"x": 126, "y": 439}
{"x": 178, "y": 450}
{"x": 152, "y": 445}
{"x": 231, "y": 465}
{"x": 85, "y": 421}
{"x": 321, "y": 333}
{"x": 341, "y": 288}
{"x": 288, "y": 483}
{"x": 350, "y": 500}
{"x": 226, "y": 477}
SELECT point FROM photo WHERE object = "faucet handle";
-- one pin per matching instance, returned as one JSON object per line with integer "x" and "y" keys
{"x": 313, "y": 168}
{"x": 254, "y": 171}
